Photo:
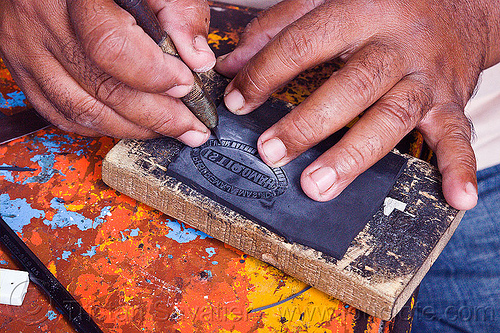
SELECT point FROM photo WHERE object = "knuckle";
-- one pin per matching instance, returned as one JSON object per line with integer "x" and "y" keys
{"x": 401, "y": 118}
{"x": 87, "y": 112}
{"x": 352, "y": 160}
{"x": 73, "y": 54}
{"x": 406, "y": 110}
{"x": 463, "y": 155}
{"x": 370, "y": 71}
{"x": 295, "y": 46}
{"x": 458, "y": 130}
{"x": 106, "y": 45}
{"x": 451, "y": 121}
{"x": 467, "y": 159}
{"x": 255, "y": 82}
{"x": 361, "y": 81}
{"x": 164, "y": 123}
{"x": 307, "y": 130}
{"x": 115, "y": 93}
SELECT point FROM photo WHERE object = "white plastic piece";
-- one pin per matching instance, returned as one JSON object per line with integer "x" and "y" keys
{"x": 390, "y": 204}
{"x": 13, "y": 286}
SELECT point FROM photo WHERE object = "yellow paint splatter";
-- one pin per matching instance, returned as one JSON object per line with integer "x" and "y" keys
{"x": 312, "y": 311}
{"x": 52, "y": 268}
{"x": 75, "y": 208}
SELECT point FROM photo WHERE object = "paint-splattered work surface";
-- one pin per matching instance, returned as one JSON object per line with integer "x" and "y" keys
{"x": 132, "y": 268}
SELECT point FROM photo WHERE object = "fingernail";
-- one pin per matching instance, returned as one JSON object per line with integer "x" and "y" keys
{"x": 201, "y": 45}
{"x": 234, "y": 100}
{"x": 222, "y": 57}
{"x": 324, "y": 178}
{"x": 274, "y": 150}
{"x": 470, "y": 189}
{"x": 194, "y": 138}
{"x": 179, "y": 91}
{"x": 206, "y": 68}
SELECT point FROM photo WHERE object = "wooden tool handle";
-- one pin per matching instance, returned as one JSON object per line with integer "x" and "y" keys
{"x": 145, "y": 18}
{"x": 197, "y": 100}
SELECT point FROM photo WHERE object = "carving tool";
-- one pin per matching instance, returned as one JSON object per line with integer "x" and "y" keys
{"x": 197, "y": 100}
{"x": 43, "y": 278}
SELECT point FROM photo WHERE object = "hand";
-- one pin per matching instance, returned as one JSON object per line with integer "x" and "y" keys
{"x": 87, "y": 67}
{"x": 408, "y": 64}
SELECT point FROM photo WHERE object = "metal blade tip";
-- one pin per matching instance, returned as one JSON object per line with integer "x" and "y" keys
{"x": 216, "y": 133}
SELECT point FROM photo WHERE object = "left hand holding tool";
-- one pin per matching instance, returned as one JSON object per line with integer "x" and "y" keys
{"x": 87, "y": 67}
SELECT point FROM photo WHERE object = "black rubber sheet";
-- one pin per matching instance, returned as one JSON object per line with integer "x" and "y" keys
{"x": 232, "y": 173}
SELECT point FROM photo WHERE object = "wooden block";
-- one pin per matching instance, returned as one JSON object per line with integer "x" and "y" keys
{"x": 380, "y": 270}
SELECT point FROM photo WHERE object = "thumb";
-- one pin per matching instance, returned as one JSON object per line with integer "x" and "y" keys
{"x": 186, "y": 22}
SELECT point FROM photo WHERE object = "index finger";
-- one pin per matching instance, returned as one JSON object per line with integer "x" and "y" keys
{"x": 320, "y": 35}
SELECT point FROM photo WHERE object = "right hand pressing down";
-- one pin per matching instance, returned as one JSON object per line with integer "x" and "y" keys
{"x": 408, "y": 64}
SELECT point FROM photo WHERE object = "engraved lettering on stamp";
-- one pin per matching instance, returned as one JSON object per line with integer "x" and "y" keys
{"x": 235, "y": 168}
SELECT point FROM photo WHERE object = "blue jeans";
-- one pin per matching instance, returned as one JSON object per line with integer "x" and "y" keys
{"x": 461, "y": 292}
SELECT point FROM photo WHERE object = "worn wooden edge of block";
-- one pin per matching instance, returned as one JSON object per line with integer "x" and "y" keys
{"x": 420, "y": 274}
{"x": 306, "y": 264}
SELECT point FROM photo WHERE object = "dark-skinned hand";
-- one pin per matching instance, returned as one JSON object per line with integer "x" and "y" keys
{"x": 408, "y": 64}
{"x": 87, "y": 67}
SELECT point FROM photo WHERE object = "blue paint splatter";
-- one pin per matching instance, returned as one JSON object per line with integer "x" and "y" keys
{"x": 54, "y": 143}
{"x": 148, "y": 280}
{"x": 3, "y": 262}
{"x": 158, "y": 246}
{"x": 16, "y": 99}
{"x": 17, "y": 213}
{"x": 64, "y": 218}
{"x": 7, "y": 174}
{"x": 65, "y": 255}
{"x": 46, "y": 163}
{"x": 209, "y": 273}
{"x": 170, "y": 256}
{"x": 51, "y": 315}
{"x": 106, "y": 211}
{"x": 79, "y": 242}
{"x": 210, "y": 251}
{"x": 179, "y": 233}
{"x": 215, "y": 262}
{"x": 50, "y": 143}
{"x": 134, "y": 232}
{"x": 90, "y": 253}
